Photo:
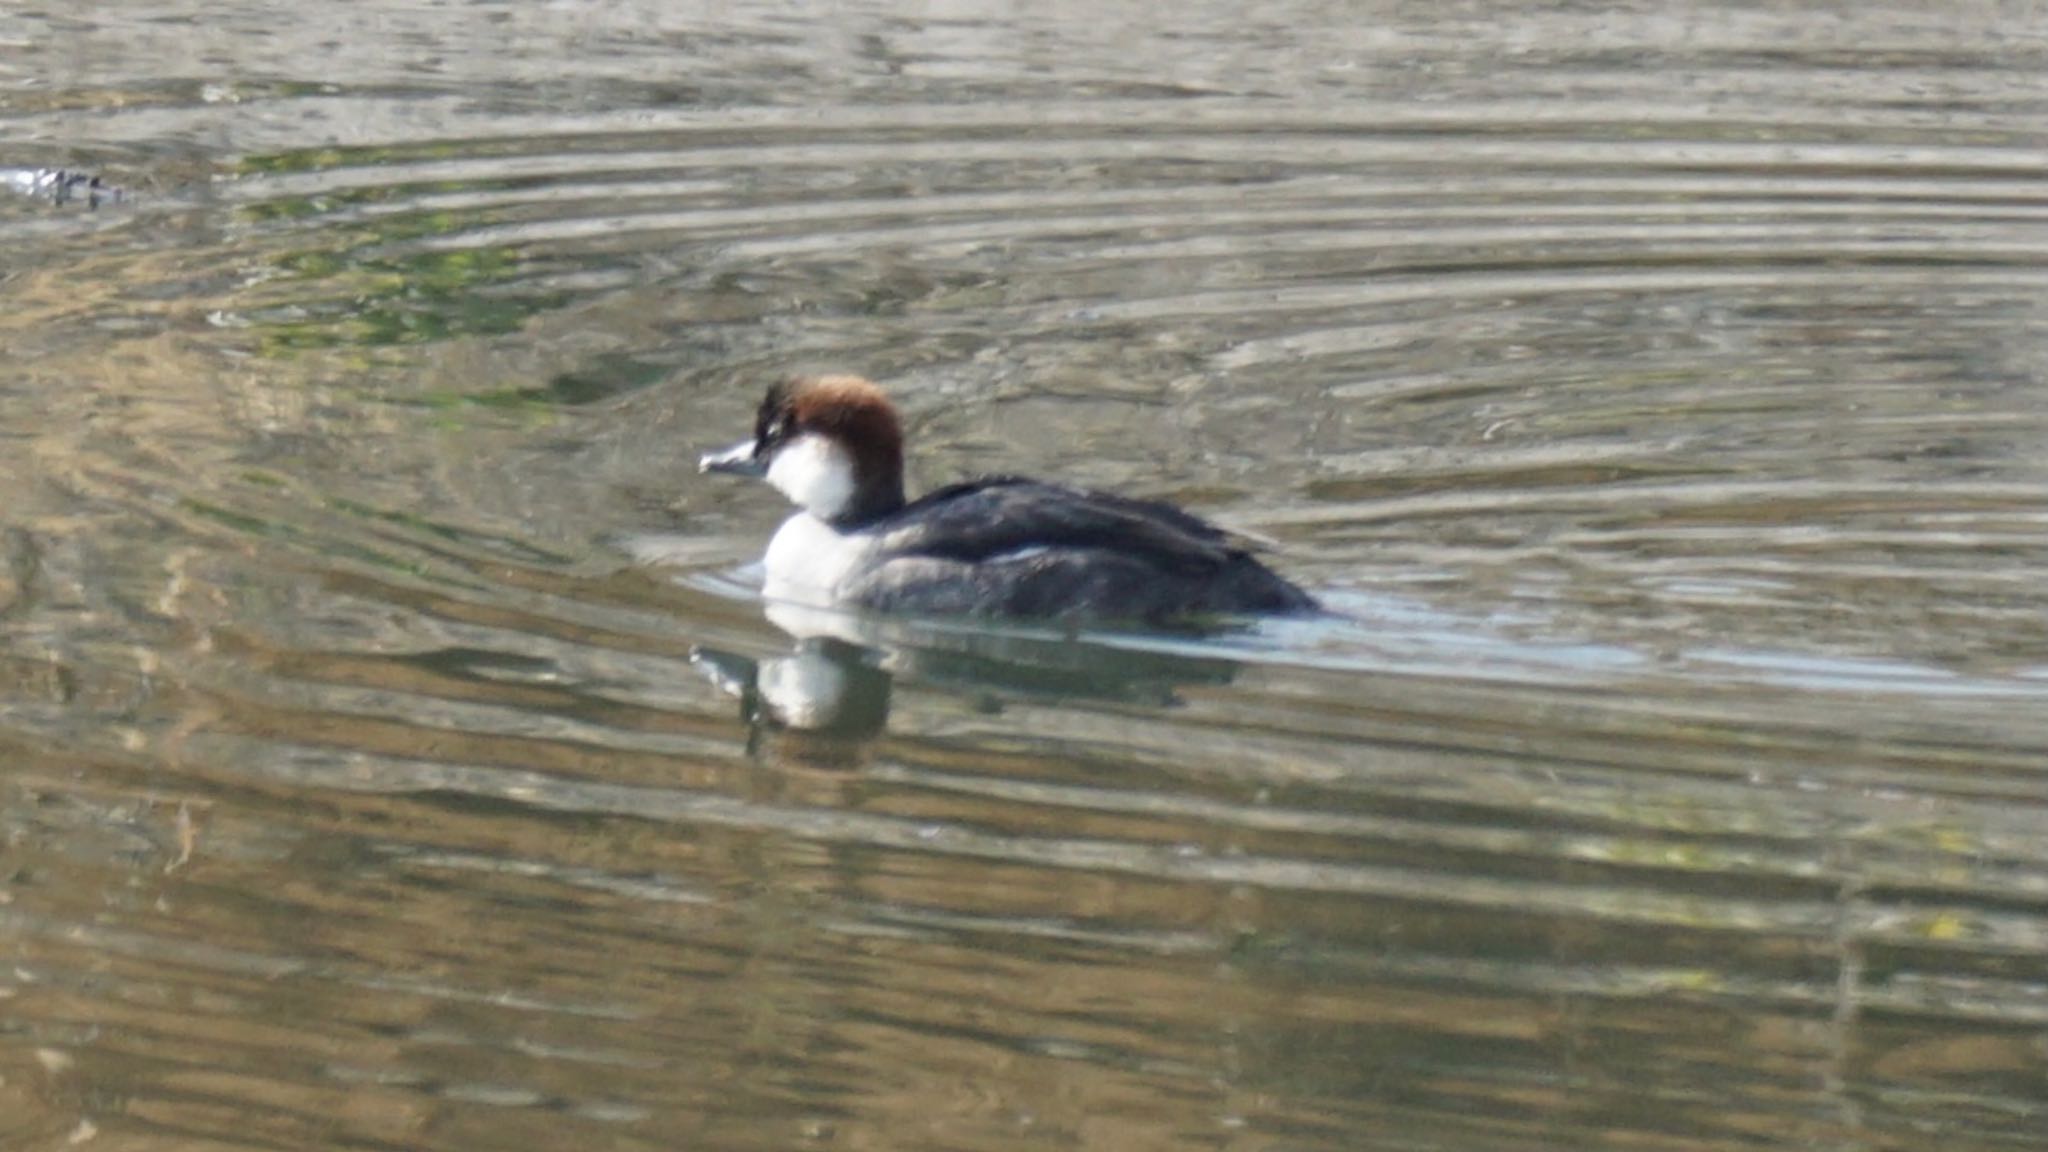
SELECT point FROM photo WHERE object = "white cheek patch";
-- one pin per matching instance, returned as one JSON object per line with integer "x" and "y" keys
{"x": 815, "y": 474}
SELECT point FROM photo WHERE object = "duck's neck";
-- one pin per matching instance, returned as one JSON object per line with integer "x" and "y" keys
{"x": 870, "y": 502}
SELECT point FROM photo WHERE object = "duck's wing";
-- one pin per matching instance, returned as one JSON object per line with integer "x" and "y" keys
{"x": 1001, "y": 516}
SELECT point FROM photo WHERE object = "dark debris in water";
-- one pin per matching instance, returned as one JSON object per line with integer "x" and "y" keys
{"x": 67, "y": 186}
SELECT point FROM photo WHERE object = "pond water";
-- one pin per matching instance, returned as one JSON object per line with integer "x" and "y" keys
{"x": 1660, "y": 394}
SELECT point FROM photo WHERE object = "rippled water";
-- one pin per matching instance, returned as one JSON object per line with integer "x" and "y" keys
{"x": 397, "y": 755}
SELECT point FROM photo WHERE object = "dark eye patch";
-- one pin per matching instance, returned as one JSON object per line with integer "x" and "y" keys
{"x": 775, "y": 421}
{"x": 773, "y": 428}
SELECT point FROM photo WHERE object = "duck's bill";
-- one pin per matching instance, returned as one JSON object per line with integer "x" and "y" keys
{"x": 737, "y": 460}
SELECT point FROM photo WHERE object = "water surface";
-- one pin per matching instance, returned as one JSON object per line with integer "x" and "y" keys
{"x": 1658, "y": 394}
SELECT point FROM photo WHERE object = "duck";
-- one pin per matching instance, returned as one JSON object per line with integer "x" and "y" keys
{"x": 998, "y": 546}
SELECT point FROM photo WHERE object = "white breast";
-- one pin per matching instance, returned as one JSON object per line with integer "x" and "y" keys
{"x": 809, "y": 561}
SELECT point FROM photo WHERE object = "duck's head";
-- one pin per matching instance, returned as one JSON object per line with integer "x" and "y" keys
{"x": 832, "y": 444}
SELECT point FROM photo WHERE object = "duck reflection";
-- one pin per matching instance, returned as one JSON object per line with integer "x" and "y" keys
{"x": 839, "y": 677}
{"x": 825, "y": 686}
